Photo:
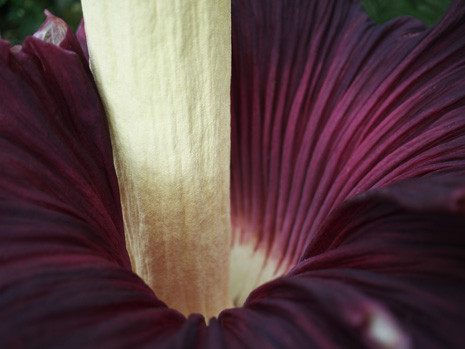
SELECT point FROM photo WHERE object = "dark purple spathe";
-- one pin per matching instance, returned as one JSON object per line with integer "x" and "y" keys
{"x": 65, "y": 276}
{"x": 325, "y": 107}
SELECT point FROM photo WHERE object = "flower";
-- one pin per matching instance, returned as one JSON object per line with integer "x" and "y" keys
{"x": 348, "y": 148}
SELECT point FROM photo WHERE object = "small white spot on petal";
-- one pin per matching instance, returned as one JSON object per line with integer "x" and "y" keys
{"x": 385, "y": 333}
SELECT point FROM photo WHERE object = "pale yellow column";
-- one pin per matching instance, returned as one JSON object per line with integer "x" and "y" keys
{"x": 163, "y": 70}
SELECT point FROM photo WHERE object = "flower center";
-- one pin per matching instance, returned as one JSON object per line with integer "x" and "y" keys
{"x": 250, "y": 267}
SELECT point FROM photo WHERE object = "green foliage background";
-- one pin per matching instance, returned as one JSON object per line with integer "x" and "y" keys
{"x": 19, "y": 18}
{"x": 428, "y": 11}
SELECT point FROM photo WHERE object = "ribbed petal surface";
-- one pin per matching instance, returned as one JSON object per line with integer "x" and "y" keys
{"x": 65, "y": 275}
{"x": 389, "y": 273}
{"x": 326, "y": 105}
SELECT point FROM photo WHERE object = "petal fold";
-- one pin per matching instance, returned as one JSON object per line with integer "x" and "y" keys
{"x": 387, "y": 270}
{"x": 402, "y": 246}
{"x": 65, "y": 274}
{"x": 327, "y": 105}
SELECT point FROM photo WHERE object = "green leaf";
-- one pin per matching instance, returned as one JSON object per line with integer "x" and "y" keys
{"x": 428, "y": 11}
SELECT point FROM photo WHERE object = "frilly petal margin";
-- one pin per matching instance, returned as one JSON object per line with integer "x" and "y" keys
{"x": 65, "y": 275}
{"x": 327, "y": 105}
{"x": 390, "y": 273}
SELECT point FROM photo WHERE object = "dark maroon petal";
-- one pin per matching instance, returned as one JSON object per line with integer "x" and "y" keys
{"x": 326, "y": 105}
{"x": 394, "y": 256}
{"x": 387, "y": 271}
{"x": 295, "y": 312}
{"x": 404, "y": 246}
{"x": 65, "y": 275}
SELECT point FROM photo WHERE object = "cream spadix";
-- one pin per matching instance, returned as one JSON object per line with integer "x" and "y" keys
{"x": 163, "y": 72}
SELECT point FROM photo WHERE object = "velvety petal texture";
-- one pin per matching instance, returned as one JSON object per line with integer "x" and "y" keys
{"x": 65, "y": 275}
{"x": 332, "y": 117}
{"x": 403, "y": 247}
{"x": 326, "y": 105}
{"x": 388, "y": 271}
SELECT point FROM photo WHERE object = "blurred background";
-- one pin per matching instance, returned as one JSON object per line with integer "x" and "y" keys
{"x": 19, "y": 18}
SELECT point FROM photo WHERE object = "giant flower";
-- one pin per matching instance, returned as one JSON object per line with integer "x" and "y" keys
{"x": 347, "y": 187}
